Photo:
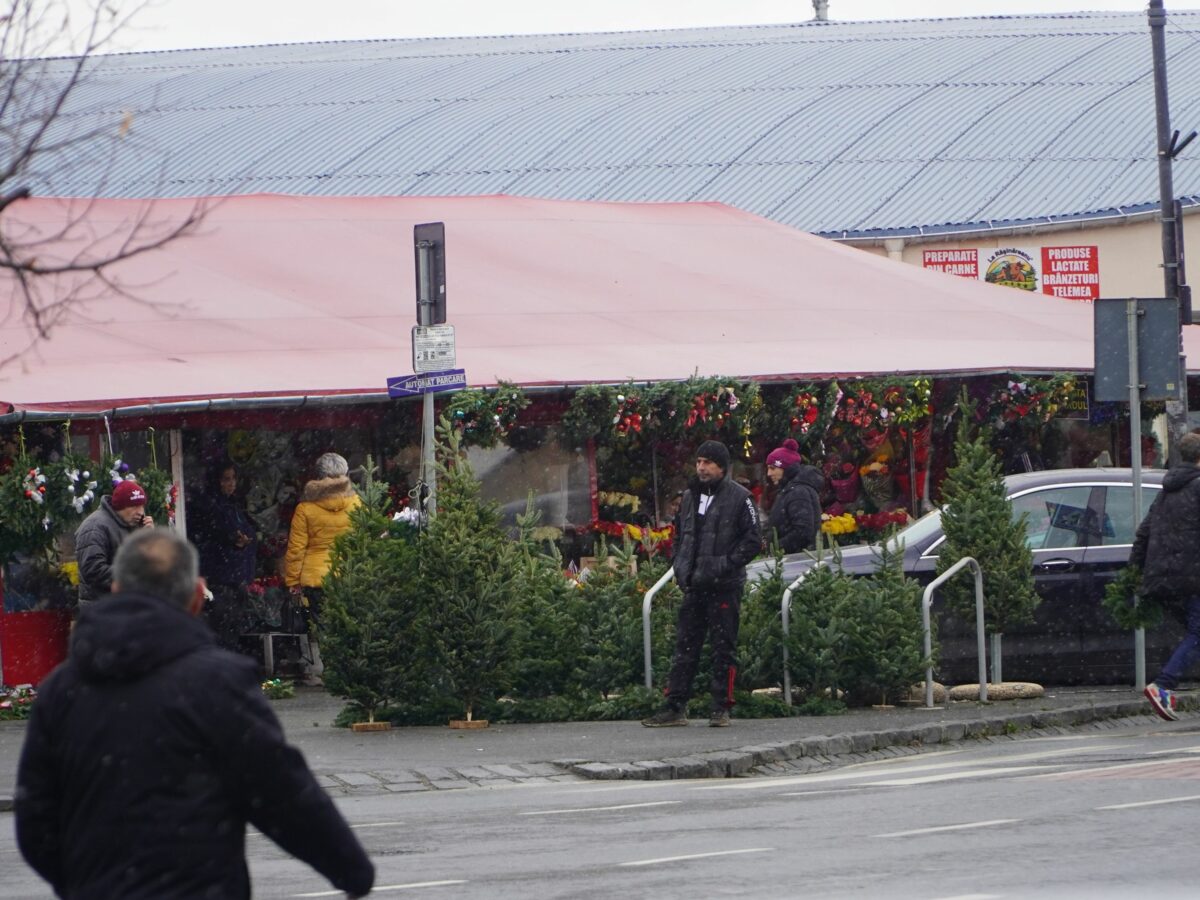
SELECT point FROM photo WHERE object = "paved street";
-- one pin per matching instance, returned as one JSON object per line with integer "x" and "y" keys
{"x": 1052, "y": 812}
{"x": 1077, "y": 815}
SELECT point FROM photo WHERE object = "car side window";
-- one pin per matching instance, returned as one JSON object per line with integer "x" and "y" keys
{"x": 1119, "y": 526}
{"x": 1058, "y": 517}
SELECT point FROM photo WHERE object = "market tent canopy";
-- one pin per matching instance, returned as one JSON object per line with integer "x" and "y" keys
{"x": 314, "y": 296}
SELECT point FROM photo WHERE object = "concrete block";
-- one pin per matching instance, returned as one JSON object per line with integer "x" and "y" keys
{"x": 505, "y": 771}
{"x": 727, "y": 763}
{"x": 656, "y": 769}
{"x": 764, "y": 753}
{"x": 837, "y": 745}
{"x": 931, "y": 733}
{"x": 357, "y": 779}
{"x": 862, "y": 741}
{"x": 953, "y": 731}
{"x": 598, "y": 771}
{"x": 688, "y": 766}
{"x": 545, "y": 769}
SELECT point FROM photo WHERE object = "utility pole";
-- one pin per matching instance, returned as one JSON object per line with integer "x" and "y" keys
{"x": 1174, "y": 287}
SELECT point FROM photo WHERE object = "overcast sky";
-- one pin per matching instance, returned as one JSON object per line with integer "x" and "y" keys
{"x": 171, "y": 24}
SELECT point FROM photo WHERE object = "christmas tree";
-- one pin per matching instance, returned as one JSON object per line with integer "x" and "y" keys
{"x": 468, "y": 566}
{"x": 372, "y": 600}
{"x": 546, "y": 626}
{"x": 978, "y": 522}
{"x": 881, "y": 618}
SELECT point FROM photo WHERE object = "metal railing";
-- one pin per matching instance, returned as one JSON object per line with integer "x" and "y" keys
{"x": 927, "y": 599}
{"x": 646, "y": 600}
{"x": 785, "y": 608}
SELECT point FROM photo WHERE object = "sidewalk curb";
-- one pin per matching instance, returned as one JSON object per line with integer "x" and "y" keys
{"x": 825, "y": 750}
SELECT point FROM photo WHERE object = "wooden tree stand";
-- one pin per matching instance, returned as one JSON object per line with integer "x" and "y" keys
{"x": 371, "y": 726}
{"x": 469, "y": 723}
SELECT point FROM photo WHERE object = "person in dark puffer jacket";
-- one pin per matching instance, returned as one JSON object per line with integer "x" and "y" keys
{"x": 1166, "y": 550}
{"x": 150, "y": 749}
{"x": 716, "y": 535}
{"x": 101, "y": 533}
{"x": 796, "y": 513}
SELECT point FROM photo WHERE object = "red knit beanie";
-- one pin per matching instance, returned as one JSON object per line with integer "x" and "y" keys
{"x": 127, "y": 494}
{"x": 787, "y": 455}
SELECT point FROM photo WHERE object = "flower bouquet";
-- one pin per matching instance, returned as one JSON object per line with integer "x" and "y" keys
{"x": 843, "y": 478}
{"x": 877, "y": 480}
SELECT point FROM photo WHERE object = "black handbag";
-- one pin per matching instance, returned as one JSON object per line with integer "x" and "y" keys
{"x": 291, "y": 616}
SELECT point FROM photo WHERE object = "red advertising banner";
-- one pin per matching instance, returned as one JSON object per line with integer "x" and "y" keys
{"x": 964, "y": 263}
{"x": 1072, "y": 273}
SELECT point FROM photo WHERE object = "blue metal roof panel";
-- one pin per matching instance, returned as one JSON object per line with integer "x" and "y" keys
{"x": 830, "y": 127}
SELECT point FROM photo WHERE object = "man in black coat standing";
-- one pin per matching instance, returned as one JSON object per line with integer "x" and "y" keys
{"x": 716, "y": 535}
{"x": 1167, "y": 550}
{"x": 150, "y": 749}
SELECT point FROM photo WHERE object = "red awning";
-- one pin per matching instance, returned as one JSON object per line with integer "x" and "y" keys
{"x": 315, "y": 296}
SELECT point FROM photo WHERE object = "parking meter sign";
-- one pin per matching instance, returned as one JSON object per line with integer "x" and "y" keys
{"x": 433, "y": 348}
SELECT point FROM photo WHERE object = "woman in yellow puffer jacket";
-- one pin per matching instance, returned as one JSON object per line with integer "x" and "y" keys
{"x": 322, "y": 514}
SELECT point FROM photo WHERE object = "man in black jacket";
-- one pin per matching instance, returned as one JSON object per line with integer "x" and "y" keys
{"x": 1167, "y": 550}
{"x": 716, "y": 535}
{"x": 150, "y": 749}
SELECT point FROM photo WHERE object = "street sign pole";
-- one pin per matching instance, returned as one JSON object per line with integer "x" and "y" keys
{"x": 1135, "y": 459}
{"x": 1169, "y": 147}
{"x": 429, "y": 241}
{"x": 425, "y": 302}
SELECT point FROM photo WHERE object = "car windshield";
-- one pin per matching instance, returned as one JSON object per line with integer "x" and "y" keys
{"x": 918, "y": 532}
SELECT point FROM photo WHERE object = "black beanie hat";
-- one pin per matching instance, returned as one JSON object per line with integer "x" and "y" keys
{"x": 715, "y": 451}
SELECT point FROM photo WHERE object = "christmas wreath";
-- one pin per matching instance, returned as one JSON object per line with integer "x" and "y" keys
{"x": 484, "y": 417}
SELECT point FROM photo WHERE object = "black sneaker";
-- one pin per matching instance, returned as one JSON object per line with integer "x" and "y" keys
{"x": 719, "y": 719}
{"x": 666, "y": 718}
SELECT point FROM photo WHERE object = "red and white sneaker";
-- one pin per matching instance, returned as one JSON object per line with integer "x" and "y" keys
{"x": 1162, "y": 700}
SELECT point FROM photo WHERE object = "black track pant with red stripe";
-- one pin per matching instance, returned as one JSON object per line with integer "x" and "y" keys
{"x": 714, "y": 613}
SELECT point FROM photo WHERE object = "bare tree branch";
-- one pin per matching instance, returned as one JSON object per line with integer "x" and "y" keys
{"x": 52, "y": 272}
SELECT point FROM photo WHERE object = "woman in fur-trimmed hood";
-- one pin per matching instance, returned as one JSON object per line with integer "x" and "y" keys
{"x": 321, "y": 515}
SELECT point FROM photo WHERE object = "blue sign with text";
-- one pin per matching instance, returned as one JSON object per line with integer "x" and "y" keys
{"x": 426, "y": 383}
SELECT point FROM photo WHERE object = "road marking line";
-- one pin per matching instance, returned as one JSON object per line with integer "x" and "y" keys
{"x": 988, "y": 824}
{"x": 842, "y": 790}
{"x": 972, "y": 897}
{"x": 1151, "y": 802}
{"x": 1177, "y": 750}
{"x": 902, "y": 768}
{"x": 385, "y": 887}
{"x": 1114, "y": 768}
{"x": 668, "y": 859}
{"x": 579, "y": 809}
{"x": 954, "y": 776}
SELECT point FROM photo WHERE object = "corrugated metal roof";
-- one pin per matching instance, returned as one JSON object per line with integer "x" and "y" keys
{"x": 843, "y": 129}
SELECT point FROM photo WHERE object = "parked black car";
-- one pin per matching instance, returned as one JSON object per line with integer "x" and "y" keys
{"x": 1080, "y": 527}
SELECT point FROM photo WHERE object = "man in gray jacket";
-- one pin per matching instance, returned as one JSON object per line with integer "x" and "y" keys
{"x": 101, "y": 533}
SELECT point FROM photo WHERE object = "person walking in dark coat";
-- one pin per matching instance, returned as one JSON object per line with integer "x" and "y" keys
{"x": 1167, "y": 550}
{"x": 101, "y": 533}
{"x": 224, "y": 535}
{"x": 796, "y": 513}
{"x": 716, "y": 536}
{"x": 150, "y": 749}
